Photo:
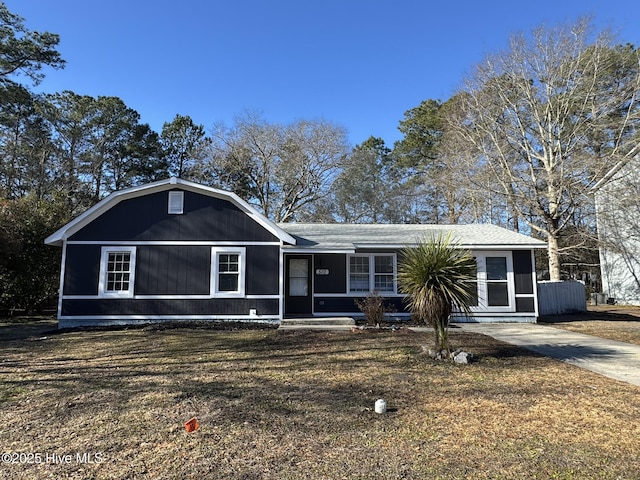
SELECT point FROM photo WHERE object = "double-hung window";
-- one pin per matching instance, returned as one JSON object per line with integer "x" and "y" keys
{"x": 227, "y": 271}
{"x": 117, "y": 272}
{"x": 372, "y": 272}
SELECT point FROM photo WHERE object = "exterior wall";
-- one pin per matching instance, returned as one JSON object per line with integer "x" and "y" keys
{"x": 330, "y": 291}
{"x": 145, "y": 218}
{"x": 618, "y": 220}
{"x": 332, "y": 299}
{"x": 173, "y": 264}
{"x": 173, "y": 257}
{"x": 169, "y": 309}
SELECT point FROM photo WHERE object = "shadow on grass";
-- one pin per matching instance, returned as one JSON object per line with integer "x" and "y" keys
{"x": 574, "y": 352}
{"x": 255, "y": 377}
{"x": 23, "y": 328}
{"x": 613, "y": 315}
{"x": 242, "y": 376}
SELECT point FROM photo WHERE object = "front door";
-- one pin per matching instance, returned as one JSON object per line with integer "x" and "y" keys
{"x": 298, "y": 295}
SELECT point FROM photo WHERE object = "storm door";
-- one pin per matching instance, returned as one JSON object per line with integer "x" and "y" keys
{"x": 298, "y": 295}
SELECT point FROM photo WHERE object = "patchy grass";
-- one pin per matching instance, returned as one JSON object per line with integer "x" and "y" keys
{"x": 299, "y": 405}
{"x": 615, "y": 322}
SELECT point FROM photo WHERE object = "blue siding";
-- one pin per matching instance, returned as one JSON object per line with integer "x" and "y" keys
{"x": 145, "y": 218}
{"x": 263, "y": 270}
{"x": 336, "y": 280}
{"x": 82, "y": 268}
{"x": 347, "y": 304}
{"x": 229, "y": 307}
{"x": 172, "y": 270}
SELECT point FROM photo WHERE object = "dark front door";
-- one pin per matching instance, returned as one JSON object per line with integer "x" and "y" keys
{"x": 298, "y": 293}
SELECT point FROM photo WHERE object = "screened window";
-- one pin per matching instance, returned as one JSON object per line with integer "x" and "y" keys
{"x": 497, "y": 283}
{"x": 117, "y": 271}
{"x": 474, "y": 302}
{"x": 368, "y": 273}
{"x": 227, "y": 277}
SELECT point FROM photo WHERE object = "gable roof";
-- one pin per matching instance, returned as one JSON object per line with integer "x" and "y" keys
{"x": 105, "y": 204}
{"x": 349, "y": 237}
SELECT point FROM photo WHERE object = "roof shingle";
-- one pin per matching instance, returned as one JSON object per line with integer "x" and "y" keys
{"x": 339, "y": 236}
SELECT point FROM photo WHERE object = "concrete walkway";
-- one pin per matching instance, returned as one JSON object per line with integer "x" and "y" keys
{"x": 617, "y": 360}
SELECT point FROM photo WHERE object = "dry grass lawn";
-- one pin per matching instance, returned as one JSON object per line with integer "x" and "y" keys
{"x": 616, "y": 322}
{"x": 299, "y": 405}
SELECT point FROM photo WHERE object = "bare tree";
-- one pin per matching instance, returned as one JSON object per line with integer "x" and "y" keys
{"x": 547, "y": 118}
{"x": 282, "y": 169}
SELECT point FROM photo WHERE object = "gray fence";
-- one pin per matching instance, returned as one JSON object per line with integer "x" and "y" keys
{"x": 556, "y": 298}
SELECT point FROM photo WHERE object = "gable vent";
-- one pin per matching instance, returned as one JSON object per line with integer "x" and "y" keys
{"x": 176, "y": 203}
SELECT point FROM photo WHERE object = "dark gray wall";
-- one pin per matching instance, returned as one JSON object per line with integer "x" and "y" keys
{"x": 82, "y": 268}
{"x": 145, "y": 218}
{"x": 180, "y": 307}
{"x": 172, "y": 270}
{"x": 336, "y": 280}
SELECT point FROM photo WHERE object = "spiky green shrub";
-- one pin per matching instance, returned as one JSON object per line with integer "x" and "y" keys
{"x": 437, "y": 276}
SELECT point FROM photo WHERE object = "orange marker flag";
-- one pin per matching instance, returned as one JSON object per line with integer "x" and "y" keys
{"x": 192, "y": 425}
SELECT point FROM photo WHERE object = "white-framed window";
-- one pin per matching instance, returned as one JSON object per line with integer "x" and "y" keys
{"x": 496, "y": 290}
{"x": 227, "y": 271}
{"x": 117, "y": 272}
{"x": 372, "y": 272}
{"x": 176, "y": 203}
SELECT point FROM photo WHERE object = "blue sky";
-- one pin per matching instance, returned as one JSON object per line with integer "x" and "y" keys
{"x": 357, "y": 63}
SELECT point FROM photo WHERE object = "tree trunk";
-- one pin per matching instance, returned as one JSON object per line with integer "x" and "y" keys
{"x": 554, "y": 257}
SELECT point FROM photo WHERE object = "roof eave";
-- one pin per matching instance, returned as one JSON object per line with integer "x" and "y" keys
{"x": 475, "y": 246}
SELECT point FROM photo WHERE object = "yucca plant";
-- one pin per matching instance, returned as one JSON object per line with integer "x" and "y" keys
{"x": 437, "y": 276}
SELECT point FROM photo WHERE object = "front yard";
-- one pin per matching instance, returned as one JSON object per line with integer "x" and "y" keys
{"x": 299, "y": 405}
{"x": 616, "y": 322}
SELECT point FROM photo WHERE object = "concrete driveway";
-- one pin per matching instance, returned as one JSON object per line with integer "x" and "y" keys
{"x": 617, "y": 360}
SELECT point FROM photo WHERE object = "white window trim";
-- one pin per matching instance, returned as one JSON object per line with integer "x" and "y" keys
{"x": 215, "y": 253}
{"x": 482, "y": 282}
{"x": 372, "y": 273}
{"x": 102, "y": 281}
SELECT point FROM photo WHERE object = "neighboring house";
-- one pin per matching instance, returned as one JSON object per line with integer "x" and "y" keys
{"x": 176, "y": 250}
{"x": 617, "y": 198}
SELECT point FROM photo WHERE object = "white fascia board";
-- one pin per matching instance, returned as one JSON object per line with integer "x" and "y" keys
{"x": 372, "y": 246}
{"x": 506, "y": 246}
{"x": 303, "y": 250}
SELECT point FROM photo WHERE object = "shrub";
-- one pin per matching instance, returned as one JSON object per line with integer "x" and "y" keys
{"x": 374, "y": 308}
